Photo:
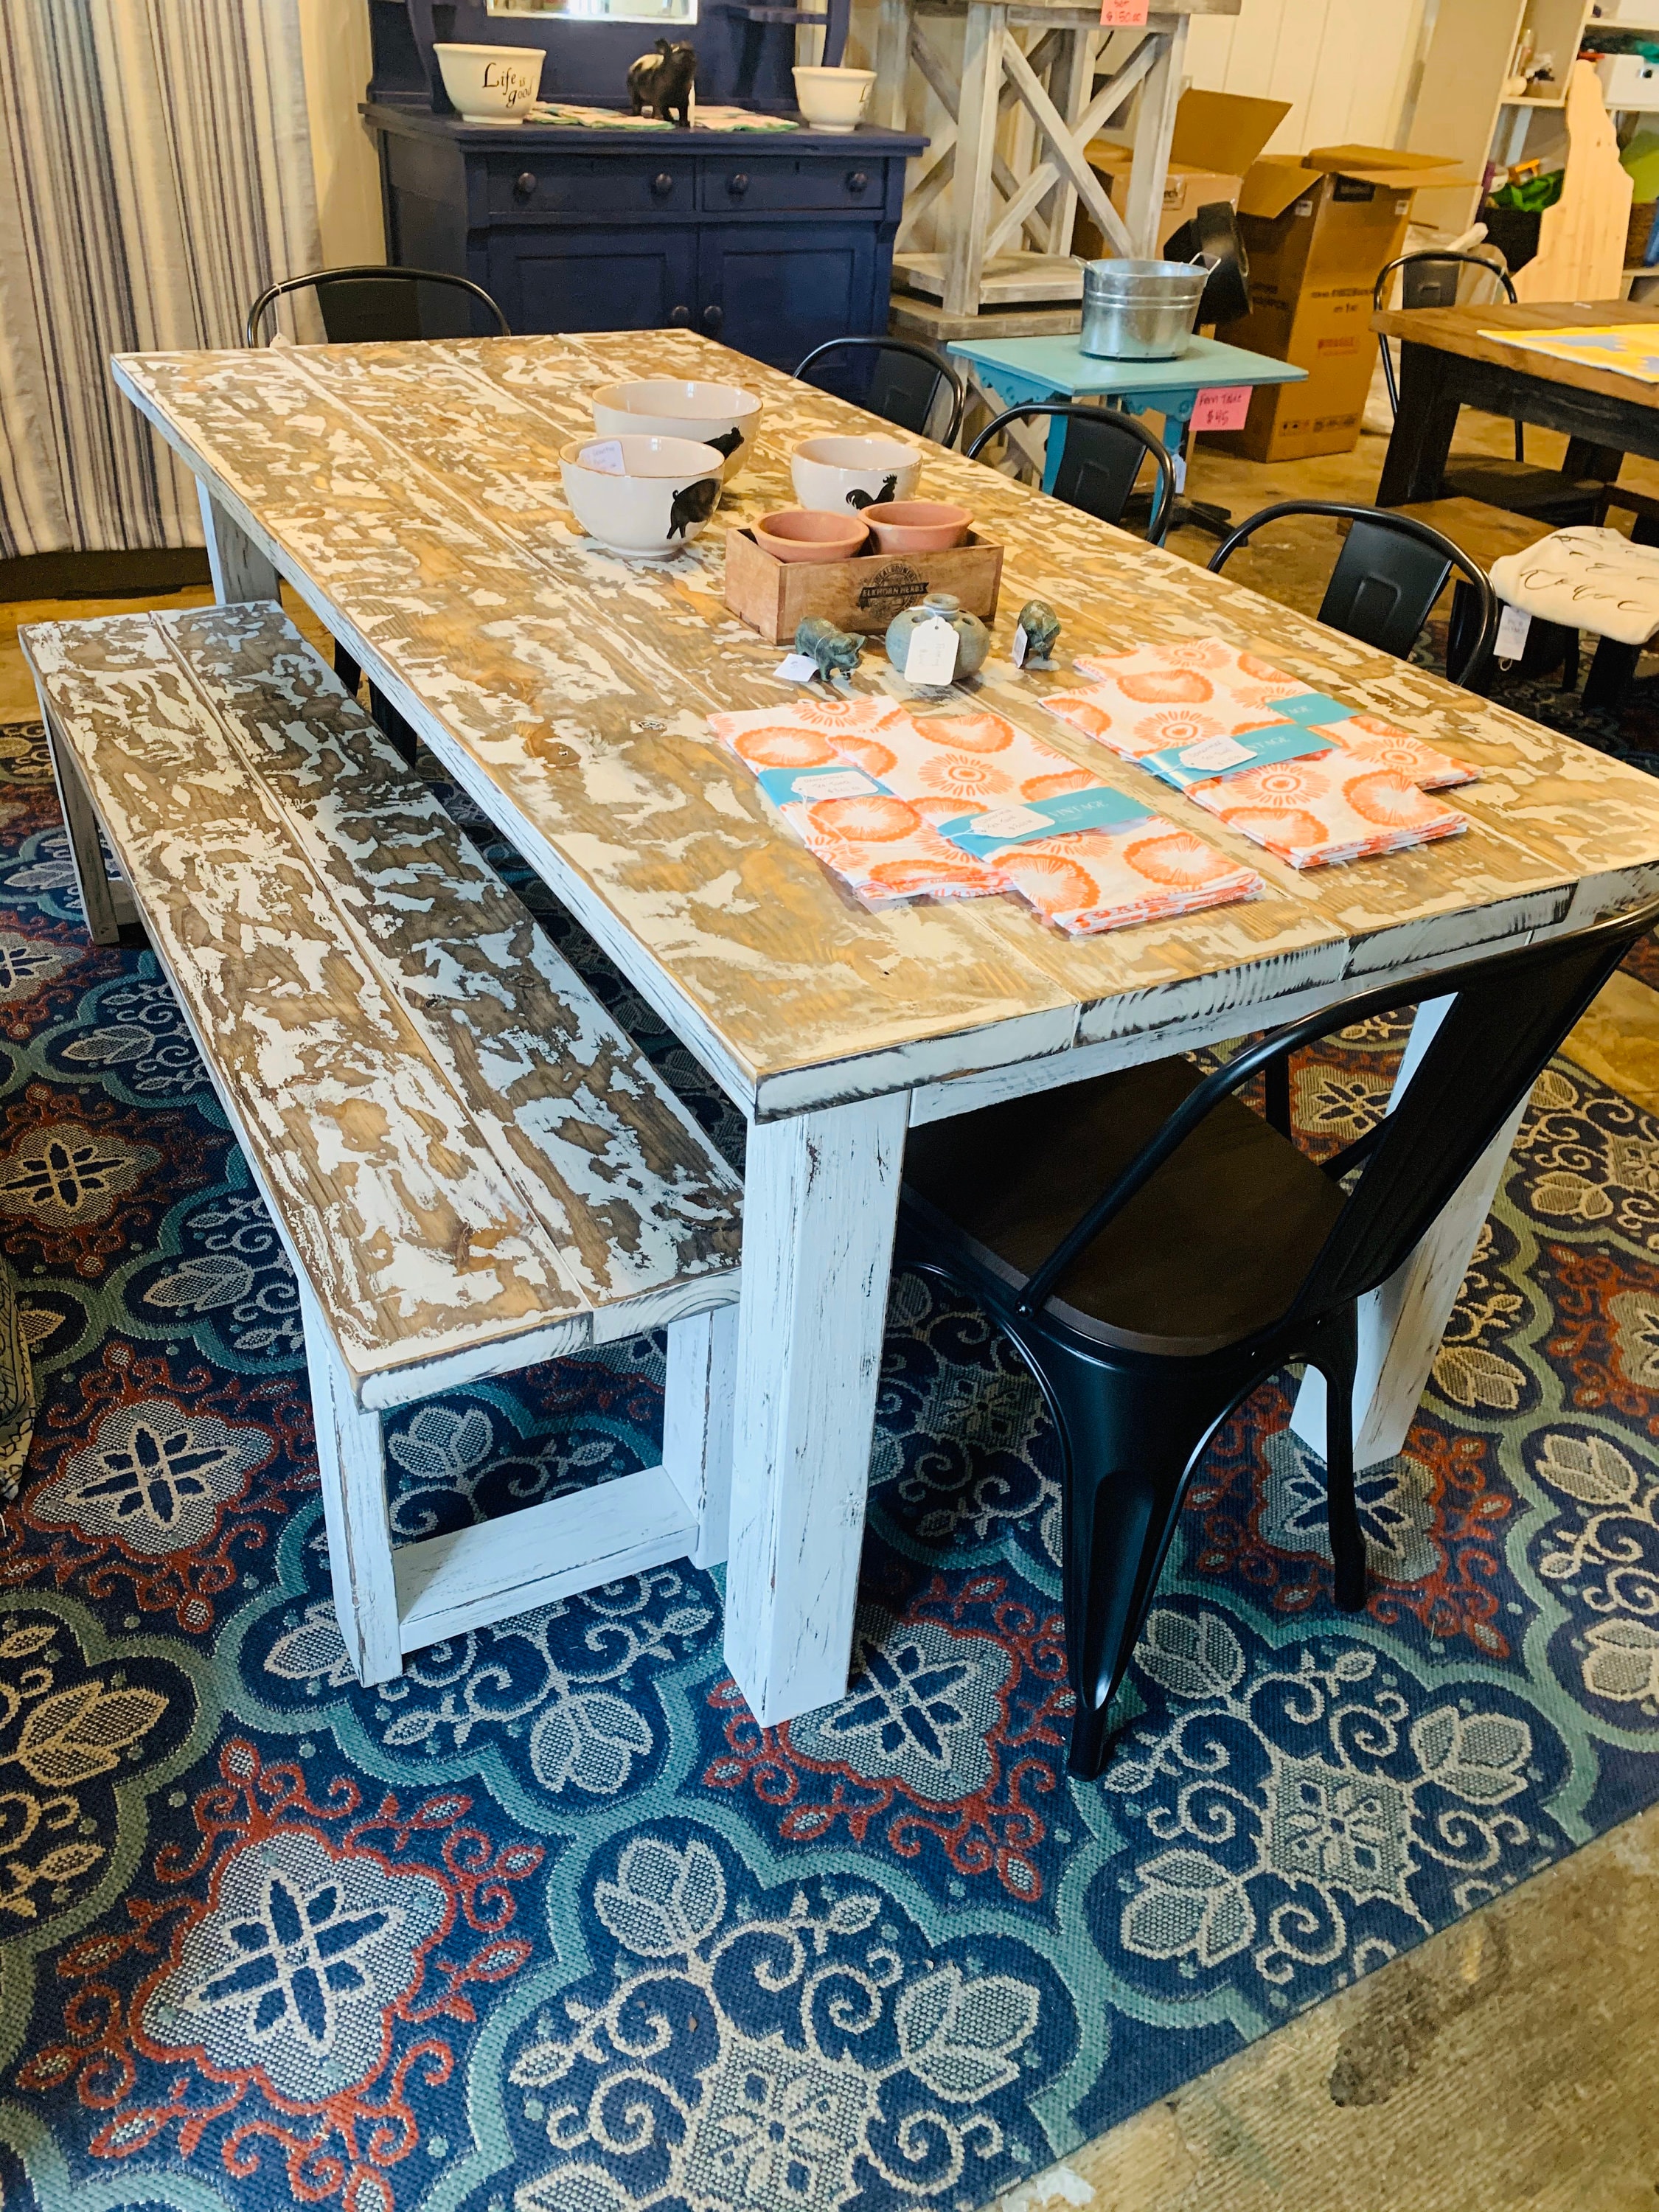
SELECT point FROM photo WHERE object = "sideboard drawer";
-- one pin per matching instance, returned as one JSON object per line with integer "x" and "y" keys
{"x": 592, "y": 184}
{"x": 739, "y": 183}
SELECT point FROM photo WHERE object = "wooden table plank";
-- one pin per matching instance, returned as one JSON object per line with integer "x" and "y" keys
{"x": 1460, "y": 331}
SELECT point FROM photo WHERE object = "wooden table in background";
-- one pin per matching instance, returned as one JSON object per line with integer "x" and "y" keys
{"x": 1446, "y": 363}
{"x": 410, "y": 494}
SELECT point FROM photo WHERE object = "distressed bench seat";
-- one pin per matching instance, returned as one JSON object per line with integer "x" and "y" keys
{"x": 471, "y": 1167}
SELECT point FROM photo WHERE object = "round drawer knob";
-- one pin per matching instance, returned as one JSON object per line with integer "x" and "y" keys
{"x": 524, "y": 185}
{"x": 737, "y": 185}
{"x": 681, "y": 318}
{"x": 712, "y": 319}
{"x": 857, "y": 181}
{"x": 662, "y": 184}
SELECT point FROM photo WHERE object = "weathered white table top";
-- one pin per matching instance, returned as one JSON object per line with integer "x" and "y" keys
{"x": 412, "y": 495}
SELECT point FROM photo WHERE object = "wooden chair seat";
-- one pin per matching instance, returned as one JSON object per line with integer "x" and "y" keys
{"x": 471, "y": 1167}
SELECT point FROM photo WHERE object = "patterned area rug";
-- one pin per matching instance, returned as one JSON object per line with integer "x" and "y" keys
{"x": 549, "y": 1924}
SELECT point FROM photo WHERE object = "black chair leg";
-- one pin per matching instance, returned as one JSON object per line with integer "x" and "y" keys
{"x": 1130, "y": 1443}
{"x": 1276, "y": 1077}
{"x": 347, "y": 669}
{"x": 1610, "y": 672}
{"x": 399, "y": 733}
{"x": 1336, "y": 1355}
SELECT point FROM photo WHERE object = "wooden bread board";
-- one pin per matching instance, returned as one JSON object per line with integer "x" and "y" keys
{"x": 863, "y": 595}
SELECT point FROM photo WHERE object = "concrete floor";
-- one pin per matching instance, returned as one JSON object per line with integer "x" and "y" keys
{"x": 1511, "y": 2061}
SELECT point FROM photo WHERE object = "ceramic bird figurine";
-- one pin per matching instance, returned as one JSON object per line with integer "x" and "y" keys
{"x": 1042, "y": 627}
{"x": 660, "y": 83}
{"x": 833, "y": 652}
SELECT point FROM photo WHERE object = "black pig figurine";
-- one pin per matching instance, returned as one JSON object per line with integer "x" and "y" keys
{"x": 660, "y": 83}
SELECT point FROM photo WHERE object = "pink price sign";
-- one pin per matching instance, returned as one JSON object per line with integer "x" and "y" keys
{"x": 1123, "y": 15}
{"x": 1221, "y": 407}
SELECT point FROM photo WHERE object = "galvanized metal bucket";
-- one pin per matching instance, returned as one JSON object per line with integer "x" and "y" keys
{"x": 1140, "y": 310}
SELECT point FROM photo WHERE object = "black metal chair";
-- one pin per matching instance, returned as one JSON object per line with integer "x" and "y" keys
{"x": 1103, "y": 455}
{"x": 1155, "y": 1250}
{"x": 904, "y": 385}
{"x": 362, "y": 305}
{"x": 1391, "y": 570}
{"x": 1430, "y": 279}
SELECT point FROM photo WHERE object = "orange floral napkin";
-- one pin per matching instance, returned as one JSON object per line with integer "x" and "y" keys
{"x": 864, "y": 784}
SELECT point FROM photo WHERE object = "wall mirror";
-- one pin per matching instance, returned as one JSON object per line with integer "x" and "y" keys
{"x": 601, "y": 11}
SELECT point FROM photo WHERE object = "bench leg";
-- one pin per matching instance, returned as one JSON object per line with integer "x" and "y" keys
{"x": 696, "y": 1427}
{"x": 351, "y": 1466}
{"x": 86, "y": 850}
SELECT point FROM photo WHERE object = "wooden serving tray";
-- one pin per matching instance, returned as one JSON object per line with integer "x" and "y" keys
{"x": 863, "y": 594}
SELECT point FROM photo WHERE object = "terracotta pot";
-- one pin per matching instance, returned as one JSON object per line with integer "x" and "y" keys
{"x": 803, "y": 533}
{"x": 917, "y": 525}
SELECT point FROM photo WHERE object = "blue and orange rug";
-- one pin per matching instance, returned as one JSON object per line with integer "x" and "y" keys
{"x": 549, "y": 1924}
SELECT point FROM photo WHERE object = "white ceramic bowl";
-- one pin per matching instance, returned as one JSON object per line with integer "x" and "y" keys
{"x": 491, "y": 84}
{"x": 723, "y": 416}
{"x": 664, "y": 496}
{"x": 832, "y": 99}
{"x": 853, "y": 473}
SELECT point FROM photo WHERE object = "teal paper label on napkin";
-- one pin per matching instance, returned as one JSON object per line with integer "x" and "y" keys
{"x": 832, "y": 780}
{"x": 997, "y": 827}
{"x": 1311, "y": 708}
{"x": 1183, "y": 765}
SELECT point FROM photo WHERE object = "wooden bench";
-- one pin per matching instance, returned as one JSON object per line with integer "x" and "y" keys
{"x": 471, "y": 1167}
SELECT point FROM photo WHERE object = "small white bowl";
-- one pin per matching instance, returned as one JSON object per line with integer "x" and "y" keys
{"x": 491, "y": 84}
{"x": 723, "y": 416}
{"x": 664, "y": 496}
{"x": 832, "y": 99}
{"x": 854, "y": 473}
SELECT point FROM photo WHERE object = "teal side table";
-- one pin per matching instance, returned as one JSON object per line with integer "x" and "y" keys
{"x": 1026, "y": 372}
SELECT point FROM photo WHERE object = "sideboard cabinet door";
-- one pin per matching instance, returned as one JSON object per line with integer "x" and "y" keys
{"x": 775, "y": 290}
{"x": 614, "y": 279}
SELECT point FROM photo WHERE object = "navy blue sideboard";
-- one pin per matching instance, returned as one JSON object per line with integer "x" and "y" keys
{"x": 770, "y": 242}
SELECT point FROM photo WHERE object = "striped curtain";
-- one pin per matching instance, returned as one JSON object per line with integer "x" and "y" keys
{"x": 156, "y": 173}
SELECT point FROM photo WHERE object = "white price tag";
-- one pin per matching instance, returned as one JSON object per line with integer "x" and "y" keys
{"x": 1011, "y": 821}
{"x": 1021, "y": 644}
{"x": 849, "y": 784}
{"x": 606, "y": 457}
{"x": 931, "y": 658}
{"x": 1513, "y": 625}
{"x": 797, "y": 668}
{"x": 1215, "y": 753}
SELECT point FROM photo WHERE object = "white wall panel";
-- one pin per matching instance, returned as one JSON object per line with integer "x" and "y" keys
{"x": 1343, "y": 65}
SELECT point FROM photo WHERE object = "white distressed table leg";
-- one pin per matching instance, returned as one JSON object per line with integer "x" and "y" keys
{"x": 239, "y": 570}
{"x": 97, "y": 895}
{"x": 1160, "y": 95}
{"x": 1402, "y": 1322}
{"x": 698, "y": 1404}
{"x": 820, "y": 1202}
{"x": 351, "y": 1468}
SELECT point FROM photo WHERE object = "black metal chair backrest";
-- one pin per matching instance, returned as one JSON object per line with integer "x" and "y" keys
{"x": 1105, "y": 451}
{"x": 1505, "y": 1015}
{"x": 1431, "y": 280}
{"x": 903, "y": 383}
{"x": 1391, "y": 570}
{"x": 361, "y": 306}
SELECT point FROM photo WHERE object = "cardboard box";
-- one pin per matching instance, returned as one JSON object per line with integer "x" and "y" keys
{"x": 1217, "y": 136}
{"x": 1319, "y": 229}
{"x": 863, "y": 594}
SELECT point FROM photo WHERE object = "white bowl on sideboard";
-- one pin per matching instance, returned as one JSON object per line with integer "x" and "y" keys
{"x": 491, "y": 84}
{"x": 832, "y": 99}
{"x": 664, "y": 494}
{"x": 663, "y": 407}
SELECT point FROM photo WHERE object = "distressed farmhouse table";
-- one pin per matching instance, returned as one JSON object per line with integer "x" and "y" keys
{"x": 410, "y": 494}
{"x": 1447, "y": 362}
